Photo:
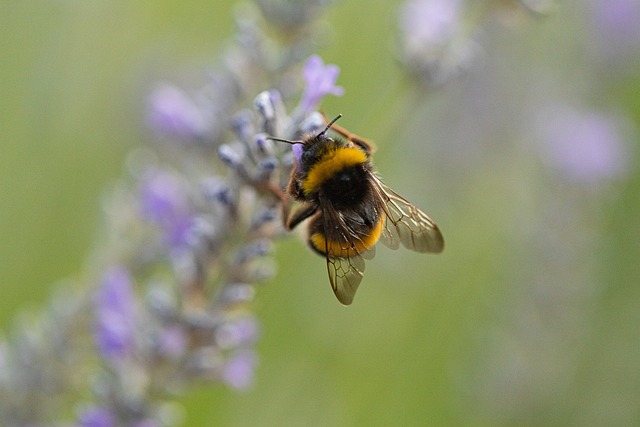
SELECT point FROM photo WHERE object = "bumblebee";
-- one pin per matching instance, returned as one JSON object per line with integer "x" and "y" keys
{"x": 349, "y": 208}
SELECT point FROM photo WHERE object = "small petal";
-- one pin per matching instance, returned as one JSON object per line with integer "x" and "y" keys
{"x": 163, "y": 201}
{"x": 615, "y": 29}
{"x": 297, "y": 154}
{"x": 173, "y": 342}
{"x": 434, "y": 45}
{"x": 263, "y": 144}
{"x": 320, "y": 81}
{"x": 253, "y": 250}
{"x": 428, "y": 24}
{"x": 242, "y": 125}
{"x": 585, "y": 147}
{"x": 239, "y": 370}
{"x": 237, "y": 293}
{"x": 265, "y": 105}
{"x": 115, "y": 314}
{"x": 230, "y": 156}
{"x": 162, "y": 196}
{"x": 238, "y": 332}
{"x": 95, "y": 416}
{"x": 218, "y": 191}
{"x": 265, "y": 169}
{"x": 171, "y": 111}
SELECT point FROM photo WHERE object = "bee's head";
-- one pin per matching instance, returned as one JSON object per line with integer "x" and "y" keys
{"x": 298, "y": 147}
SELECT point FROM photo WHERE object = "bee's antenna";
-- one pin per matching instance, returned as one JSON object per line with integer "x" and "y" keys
{"x": 273, "y": 138}
{"x": 330, "y": 124}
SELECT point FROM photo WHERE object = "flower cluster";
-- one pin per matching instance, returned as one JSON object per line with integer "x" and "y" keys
{"x": 439, "y": 38}
{"x": 434, "y": 47}
{"x": 561, "y": 156}
{"x": 215, "y": 232}
{"x": 189, "y": 240}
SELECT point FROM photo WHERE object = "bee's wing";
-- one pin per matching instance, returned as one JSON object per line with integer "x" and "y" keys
{"x": 345, "y": 275}
{"x": 406, "y": 224}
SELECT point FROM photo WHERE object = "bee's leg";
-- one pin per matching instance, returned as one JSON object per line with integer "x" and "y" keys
{"x": 285, "y": 202}
{"x": 282, "y": 197}
{"x": 366, "y": 146}
{"x": 290, "y": 221}
{"x": 299, "y": 216}
{"x": 275, "y": 191}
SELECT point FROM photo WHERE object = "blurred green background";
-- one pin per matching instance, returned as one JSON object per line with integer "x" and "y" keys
{"x": 466, "y": 337}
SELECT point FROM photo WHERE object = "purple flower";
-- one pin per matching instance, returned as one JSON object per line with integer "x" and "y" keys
{"x": 239, "y": 370}
{"x": 164, "y": 201}
{"x": 320, "y": 81}
{"x": 172, "y": 342}
{"x": 115, "y": 314}
{"x": 297, "y": 154}
{"x": 617, "y": 20}
{"x": 585, "y": 147}
{"x": 435, "y": 45}
{"x": 171, "y": 111}
{"x": 95, "y": 416}
{"x": 237, "y": 332}
{"x": 429, "y": 23}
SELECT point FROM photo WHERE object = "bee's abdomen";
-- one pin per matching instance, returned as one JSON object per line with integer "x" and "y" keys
{"x": 333, "y": 243}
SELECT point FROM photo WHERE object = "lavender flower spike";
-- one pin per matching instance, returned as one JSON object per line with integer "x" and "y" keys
{"x": 198, "y": 233}
{"x": 320, "y": 81}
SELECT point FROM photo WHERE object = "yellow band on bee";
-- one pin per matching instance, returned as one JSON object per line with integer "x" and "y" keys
{"x": 344, "y": 250}
{"x": 330, "y": 163}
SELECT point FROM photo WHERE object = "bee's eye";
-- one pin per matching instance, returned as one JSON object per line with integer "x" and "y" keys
{"x": 306, "y": 155}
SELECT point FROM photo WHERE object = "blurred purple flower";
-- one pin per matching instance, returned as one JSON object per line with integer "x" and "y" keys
{"x": 239, "y": 370}
{"x": 115, "y": 314}
{"x": 171, "y": 111}
{"x": 429, "y": 23}
{"x": 95, "y": 416}
{"x": 615, "y": 27}
{"x": 173, "y": 342}
{"x": 237, "y": 332}
{"x": 585, "y": 147}
{"x": 320, "y": 81}
{"x": 435, "y": 45}
{"x": 619, "y": 19}
{"x": 164, "y": 201}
